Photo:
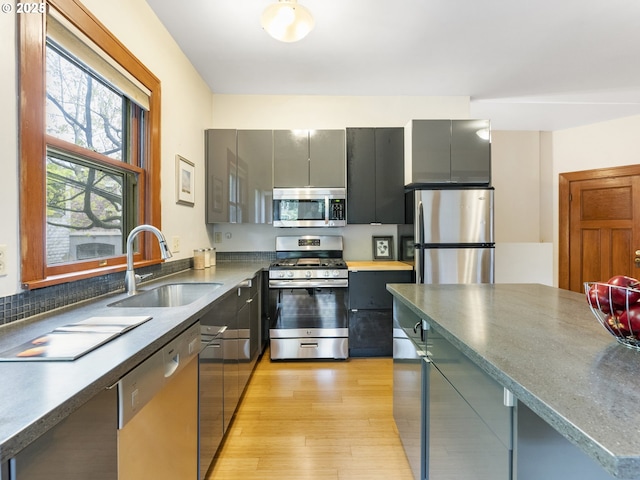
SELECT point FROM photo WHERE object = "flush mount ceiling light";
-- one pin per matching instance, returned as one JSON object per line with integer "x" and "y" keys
{"x": 287, "y": 21}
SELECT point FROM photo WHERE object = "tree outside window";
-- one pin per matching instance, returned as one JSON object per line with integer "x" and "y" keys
{"x": 90, "y": 161}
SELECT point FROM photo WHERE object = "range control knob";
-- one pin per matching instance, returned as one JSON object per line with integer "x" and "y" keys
{"x": 289, "y": 274}
{"x": 307, "y": 274}
{"x": 325, "y": 273}
{"x": 281, "y": 274}
{"x": 335, "y": 273}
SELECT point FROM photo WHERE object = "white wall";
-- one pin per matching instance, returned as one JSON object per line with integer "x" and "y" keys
{"x": 607, "y": 144}
{"x": 515, "y": 163}
{"x": 9, "y": 180}
{"x": 186, "y": 112}
{"x": 315, "y": 111}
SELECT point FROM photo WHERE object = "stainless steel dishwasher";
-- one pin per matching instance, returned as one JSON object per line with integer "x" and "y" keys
{"x": 158, "y": 413}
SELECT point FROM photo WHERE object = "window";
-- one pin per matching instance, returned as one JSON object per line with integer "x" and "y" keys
{"x": 89, "y": 147}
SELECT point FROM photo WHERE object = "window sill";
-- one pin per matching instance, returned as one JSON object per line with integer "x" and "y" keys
{"x": 83, "y": 275}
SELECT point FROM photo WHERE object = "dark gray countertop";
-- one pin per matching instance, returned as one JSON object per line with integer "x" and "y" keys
{"x": 545, "y": 345}
{"x": 37, "y": 395}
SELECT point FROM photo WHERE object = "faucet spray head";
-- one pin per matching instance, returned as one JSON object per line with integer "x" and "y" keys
{"x": 164, "y": 250}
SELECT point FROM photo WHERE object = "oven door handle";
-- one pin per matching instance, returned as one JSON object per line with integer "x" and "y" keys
{"x": 326, "y": 209}
{"x": 332, "y": 283}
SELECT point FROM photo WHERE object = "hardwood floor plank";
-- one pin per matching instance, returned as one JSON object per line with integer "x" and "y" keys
{"x": 315, "y": 420}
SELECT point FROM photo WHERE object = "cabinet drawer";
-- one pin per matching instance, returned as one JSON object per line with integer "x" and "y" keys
{"x": 287, "y": 348}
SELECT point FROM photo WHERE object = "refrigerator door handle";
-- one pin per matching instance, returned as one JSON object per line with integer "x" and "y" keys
{"x": 420, "y": 242}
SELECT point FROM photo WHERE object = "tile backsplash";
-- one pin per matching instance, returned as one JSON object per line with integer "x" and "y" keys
{"x": 32, "y": 302}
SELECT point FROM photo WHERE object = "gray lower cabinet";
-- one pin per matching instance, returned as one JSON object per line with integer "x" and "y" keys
{"x": 241, "y": 310}
{"x": 238, "y": 176}
{"x": 541, "y": 452}
{"x": 210, "y": 390}
{"x": 465, "y": 417}
{"x": 450, "y": 415}
{"x": 303, "y": 158}
{"x": 82, "y": 446}
{"x": 370, "y": 311}
{"x": 226, "y": 308}
{"x": 248, "y": 329}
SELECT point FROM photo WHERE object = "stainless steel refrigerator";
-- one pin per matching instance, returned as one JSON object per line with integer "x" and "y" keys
{"x": 453, "y": 237}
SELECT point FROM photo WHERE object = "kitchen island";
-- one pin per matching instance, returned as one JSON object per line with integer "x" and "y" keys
{"x": 574, "y": 385}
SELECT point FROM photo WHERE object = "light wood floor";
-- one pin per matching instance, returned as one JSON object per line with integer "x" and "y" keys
{"x": 315, "y": 420}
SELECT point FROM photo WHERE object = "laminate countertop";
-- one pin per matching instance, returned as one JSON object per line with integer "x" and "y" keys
{"x": 378, "y": 265}
{"x": 545, "y": 346}
{"x": 37, "y": 395}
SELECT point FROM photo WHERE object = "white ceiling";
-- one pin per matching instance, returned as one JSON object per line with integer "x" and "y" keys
{"x": 526, "y": 64}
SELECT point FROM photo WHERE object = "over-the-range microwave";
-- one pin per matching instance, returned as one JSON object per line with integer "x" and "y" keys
{"x": 309, "y": 207}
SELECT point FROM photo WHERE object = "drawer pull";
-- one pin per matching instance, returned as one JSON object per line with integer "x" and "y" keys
{"x": 309, "y": 345}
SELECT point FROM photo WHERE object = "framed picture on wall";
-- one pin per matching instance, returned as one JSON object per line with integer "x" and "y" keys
{"x": 185, "y": 181}
{"x": 383, "y": 248}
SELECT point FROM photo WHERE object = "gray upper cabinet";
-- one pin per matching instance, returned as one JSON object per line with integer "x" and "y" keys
{"x": 290, "y": 158}
{"x": 239, "y": 176}
{"x": 255, "y": 184}
{"x": 309, "y": 158}
{"x": 375, "y": 178}
{"x": 220, "y": 148}
{"x": 445, "y": 152}
{"x": 327, "y": 158}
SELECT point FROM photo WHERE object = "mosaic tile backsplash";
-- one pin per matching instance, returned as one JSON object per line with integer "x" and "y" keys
{"x": 32, "y": 302}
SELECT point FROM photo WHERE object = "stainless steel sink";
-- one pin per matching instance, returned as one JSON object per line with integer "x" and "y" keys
{"x": 171, "y": 295}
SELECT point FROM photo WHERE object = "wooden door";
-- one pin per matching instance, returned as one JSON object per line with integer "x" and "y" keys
{"x": 599, "y": 225}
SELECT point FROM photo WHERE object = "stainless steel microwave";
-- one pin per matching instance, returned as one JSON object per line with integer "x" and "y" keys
{"x": 309, "y": 207}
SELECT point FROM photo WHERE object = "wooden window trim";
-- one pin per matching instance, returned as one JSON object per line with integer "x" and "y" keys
{"x": 32, "y": 41}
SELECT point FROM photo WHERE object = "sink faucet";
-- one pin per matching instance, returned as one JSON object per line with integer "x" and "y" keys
{"x": 130, "y": 278}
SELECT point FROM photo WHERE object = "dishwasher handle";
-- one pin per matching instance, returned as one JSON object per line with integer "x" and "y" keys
{"x": 171, "y": 364}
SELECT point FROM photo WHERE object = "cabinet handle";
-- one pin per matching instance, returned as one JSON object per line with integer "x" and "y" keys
{"x": 508, "y": 399}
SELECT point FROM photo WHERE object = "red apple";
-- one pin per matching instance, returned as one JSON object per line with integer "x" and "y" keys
{"x": 622, "y": 296}
{"x": 617, "y": 328}
{"x": 630, "y": 320}
{"x": 598, "y": 297}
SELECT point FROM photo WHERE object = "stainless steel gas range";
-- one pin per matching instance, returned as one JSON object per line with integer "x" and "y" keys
{"x": 311, "y": 282}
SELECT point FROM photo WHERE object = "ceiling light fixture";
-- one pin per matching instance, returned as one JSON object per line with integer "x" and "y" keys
{"x": 287, "y": 21}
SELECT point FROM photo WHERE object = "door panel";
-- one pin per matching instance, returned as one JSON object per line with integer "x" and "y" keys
{"x": 457, "y": 265}
{"x": 603, "y": 228}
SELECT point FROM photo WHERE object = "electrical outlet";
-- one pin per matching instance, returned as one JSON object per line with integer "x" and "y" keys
{"x": 175, "y": 244}
{"x": 3, "y": 259}
{"x": 217, "y": 237}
